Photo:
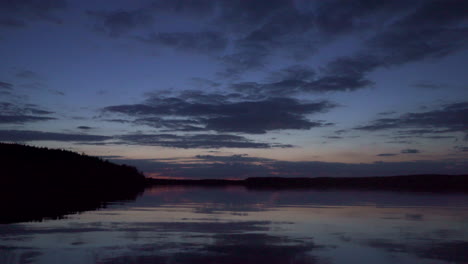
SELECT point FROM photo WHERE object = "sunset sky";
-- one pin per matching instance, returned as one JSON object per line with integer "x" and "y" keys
{"x": 237, "y": 88}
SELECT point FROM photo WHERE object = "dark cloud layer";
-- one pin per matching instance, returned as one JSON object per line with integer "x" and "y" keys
{"x": 412, "y": 32}
{"x": 241, "y": 166}
{"x": 434, "y": 29}
{"x": 21, "y": 119}
{"x": 386, "y": 155}
{"x": 410, "y": 151}
{"x": 343, "y": 74}
{"x": 222, "y": 113}
{"x": 17, "y": 14}
{"x": 27, "y": 136}
{"x": 207, "y": 41}
{"x": 5, "y": 86}
{"x": 251, "y": 32}
{"x": 194, "y": 141}
{"x": 244, "y": 37}
{"x": 20, "y": 114}
{"x": 461, "y": 148}
{"x": 449, "y": 118}
{"x": 120, "y": 22}
{"x": 197, "y": 141}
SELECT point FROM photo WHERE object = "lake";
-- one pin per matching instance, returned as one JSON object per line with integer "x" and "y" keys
{"x": 181, "y": 224}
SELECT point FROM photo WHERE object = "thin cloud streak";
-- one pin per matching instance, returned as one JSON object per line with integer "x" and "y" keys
{"x": 242, "y": 166}
{"x": 198, "y": 141}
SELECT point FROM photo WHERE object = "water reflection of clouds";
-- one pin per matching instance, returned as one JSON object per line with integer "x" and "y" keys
{"x": 157, "y": 227}
{"x": 27, "y": 255}
{"x": 239, "y": 196}
{"x": 229, "y": 248}
{"x": 414, "y": 217}
{"x": 209, "y": 225}
{"x": 451, "y": 251}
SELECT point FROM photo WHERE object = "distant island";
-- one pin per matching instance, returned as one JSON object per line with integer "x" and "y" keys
{"x": 37, "y": 183}
{"x": 41, "y": 183}
{"x": 424, "y": 183}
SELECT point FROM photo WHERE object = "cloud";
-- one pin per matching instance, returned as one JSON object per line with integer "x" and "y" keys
{"x": 138, "y": 24}
{"x": 342, "y": 74}
{"x": 11, "y": 23}
{"x": 449, "y": 118}
{"x": 17, "y": 14}
{"x": 20, "y": 114}
{"x": 433, "y": 29}
{"x": 237, "y": 63}
{"x": 6, "y": 86}
{"x": 202, "y": 82}
{"x": 224, "y": 113}
{"x": 411, "y": 33}
{"x": 280, "y": 29}
{"x": 386, "y": 155}
{"x": 21, "y": 119}
{"x": 297, "y": 30}
{"x": 439, "y": 137}
{"x": 387, "y": 113}
{"x": 206, "y": 41}
{"x": 243, "y": 166}
{"x": 294, "y": 72}
{"x": 428, "y": 85}
{"x": 182, "y": 125}
{"x": 27, "y": 74}
{"x": 243, "y": 158}
{"x": 410, "y": 151}
{"x": 194, "y": 141}
{"x": 333, "y": 137}
{"x": 313, "y": 169}
{"x": 29, "y": 135}
{"x": 117, "y": 120}
{"x": 37, "y": 111}
{"x": 84, "y": 127}
{"x": 279, "y": 26}
{"x": 117, "y": 23}
{"x": 408, "y": 46}
{"x": 203, "y": 166}
{"x": 461, "y": 148}
{"x": 246, "y": 35}
{"x": 423, "y": 32}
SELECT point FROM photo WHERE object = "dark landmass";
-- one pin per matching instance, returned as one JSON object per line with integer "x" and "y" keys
{"x": 425, "y": 183}
{"x": 38, "y": 183}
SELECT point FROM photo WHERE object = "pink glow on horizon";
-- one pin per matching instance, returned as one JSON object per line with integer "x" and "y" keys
{"x": 155, "y": 175}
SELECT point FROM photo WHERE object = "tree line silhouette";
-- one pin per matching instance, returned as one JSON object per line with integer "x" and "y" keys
{"x": 37, "y": 183}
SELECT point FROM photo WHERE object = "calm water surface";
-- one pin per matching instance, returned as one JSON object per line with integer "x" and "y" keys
{"x": 236, "y": 225}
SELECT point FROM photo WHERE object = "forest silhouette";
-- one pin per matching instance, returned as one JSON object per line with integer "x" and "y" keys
{"x": 38, "y": 183}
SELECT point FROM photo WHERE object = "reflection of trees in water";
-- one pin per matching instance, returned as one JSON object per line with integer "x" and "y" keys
{"x": 27, "y": 255}
{"x": 182, "y": 242}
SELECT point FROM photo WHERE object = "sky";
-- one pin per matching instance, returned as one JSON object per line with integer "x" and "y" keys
{"x": 236, "y": 88}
